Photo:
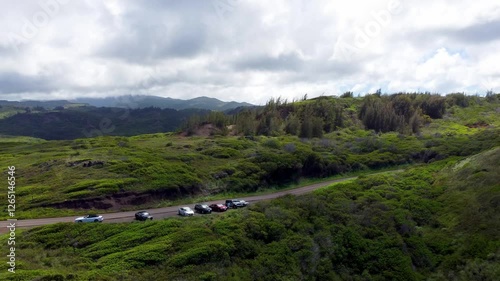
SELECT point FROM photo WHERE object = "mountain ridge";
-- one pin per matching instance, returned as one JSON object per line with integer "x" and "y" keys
{"x": 133, "y": 101}
{"x": 142, "y": 101}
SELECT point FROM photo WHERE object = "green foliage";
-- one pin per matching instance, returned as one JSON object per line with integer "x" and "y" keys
{"x": 245, "y": 123}
{"x": 380, "y": 114}
{"x": 167, "y": 175}
{"x": 436, "y": 221}
{"x": 401, "y": 112}
{"x": 81, "y": 122}
{"x": 347, "y": 95}
{"x": 434, "y": 106}
{"x": 415, "y": 225}
{"x": 306, "y": 128}
{"x": 220, "y": 152}
{"x": 102, "y": 186}
{"x": 158, "y": 168}
{"x": 292, "y": 125}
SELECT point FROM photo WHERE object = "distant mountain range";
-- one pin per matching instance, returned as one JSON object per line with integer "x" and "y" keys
{"x": 131, "y": 101}
{"x": 33, "y": 103}
{"x": 128, "y": 116}
{"x": 148, "y": 101}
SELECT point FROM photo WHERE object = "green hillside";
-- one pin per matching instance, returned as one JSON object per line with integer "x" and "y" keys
{"x": 87, "y": 122}
{"x": 111, "y": 173}
{"x": 6, "y": 111}
{"x": 437, "y": 221}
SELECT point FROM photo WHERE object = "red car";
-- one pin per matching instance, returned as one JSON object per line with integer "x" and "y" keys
{"x": 218, "y": 207}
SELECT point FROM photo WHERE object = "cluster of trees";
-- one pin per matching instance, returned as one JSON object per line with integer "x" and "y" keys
{"x": 306, "y": 119}
{"x": 403, "y": 112}
{"x": 400, "y": 112}
{"x": 216, "y": 118}
{"x": 83, "y": 122}
{"x": 406, "y": 112}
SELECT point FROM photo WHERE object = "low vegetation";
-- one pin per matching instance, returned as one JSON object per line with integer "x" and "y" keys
{"x": 437, "y": 221}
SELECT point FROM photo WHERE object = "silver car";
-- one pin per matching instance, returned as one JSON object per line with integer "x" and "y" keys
{"x": 185, "y": 211}
{"x": 89, "y": 218}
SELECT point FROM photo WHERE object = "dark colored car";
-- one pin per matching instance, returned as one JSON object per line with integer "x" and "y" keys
{"x": 143, "y": 215}
{"x": 236, "y": 203}
{"x": 202, "y": 209}
{"x": 218, "y": 207}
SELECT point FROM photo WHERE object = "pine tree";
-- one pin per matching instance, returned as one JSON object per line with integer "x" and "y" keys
{"x": 292, "y": 125}
{"x": 306, "y": 128}
{"x": 245, "y": 123}
{"x": 317, "y": 127}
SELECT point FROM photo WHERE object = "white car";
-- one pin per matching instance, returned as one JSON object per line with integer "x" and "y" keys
{"x": 236, "y": 203}
{"x": 89, "y": 218}
{"x": 186, "y": 211}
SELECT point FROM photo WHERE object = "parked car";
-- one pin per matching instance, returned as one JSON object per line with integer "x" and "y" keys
{"x": 236, "y": 203}
{"x": 185, "y": 211}
{"x": 89, "y": 218}
{"x": 202, "y": 209}
{"x": 218, "y": 207}
{"x": 143, "y": 215}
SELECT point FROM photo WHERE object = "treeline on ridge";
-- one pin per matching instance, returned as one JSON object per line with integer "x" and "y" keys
{"x": 87, "y": 121}
{"x": 405, "y": 113}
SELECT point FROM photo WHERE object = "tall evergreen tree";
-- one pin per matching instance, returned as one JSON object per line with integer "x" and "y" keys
{"x": 292, "y": 124}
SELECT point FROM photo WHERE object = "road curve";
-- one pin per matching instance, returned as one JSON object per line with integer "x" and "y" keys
{"x": 170, "y": 211}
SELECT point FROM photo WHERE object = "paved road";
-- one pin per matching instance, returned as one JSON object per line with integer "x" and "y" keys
{"x": 169, "y": 211}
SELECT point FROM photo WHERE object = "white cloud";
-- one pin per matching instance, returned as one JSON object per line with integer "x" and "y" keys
{"x": 247, "y": 50}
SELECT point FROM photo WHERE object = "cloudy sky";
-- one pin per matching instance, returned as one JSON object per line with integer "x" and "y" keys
{"x": 246, "y": 50}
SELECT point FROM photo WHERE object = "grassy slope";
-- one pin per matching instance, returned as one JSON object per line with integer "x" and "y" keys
{"x": 434, "y": 222}
{"x": 180, "y": 167}
{"x": 457, "y": 119}
{"x": 7, "y": 111}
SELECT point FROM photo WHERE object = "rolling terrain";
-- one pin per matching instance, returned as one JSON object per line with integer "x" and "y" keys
{"x": 88, "y": 122}
{"x": 160, "y": 213}
{"x": 112, "y": 173}
{"x": 432, "y": 222}
{"x": 436, "y": 220}
{"x": 117, "y": 116}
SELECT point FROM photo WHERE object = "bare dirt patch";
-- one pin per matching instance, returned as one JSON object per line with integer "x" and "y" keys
{"x": 479, "y": 124}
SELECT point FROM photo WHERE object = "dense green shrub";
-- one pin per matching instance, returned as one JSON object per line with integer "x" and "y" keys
{"x": 221, "y": 152}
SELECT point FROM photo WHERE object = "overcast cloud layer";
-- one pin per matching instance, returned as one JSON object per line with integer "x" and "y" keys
{"x": 246, "y": 50}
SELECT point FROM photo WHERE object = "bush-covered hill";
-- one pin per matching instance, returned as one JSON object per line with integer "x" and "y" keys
{"x": 88, "y": 122}
{"x": 439, "y": 221}
{"x": 112, "y": 173}
{"x": 405, "y": 113}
